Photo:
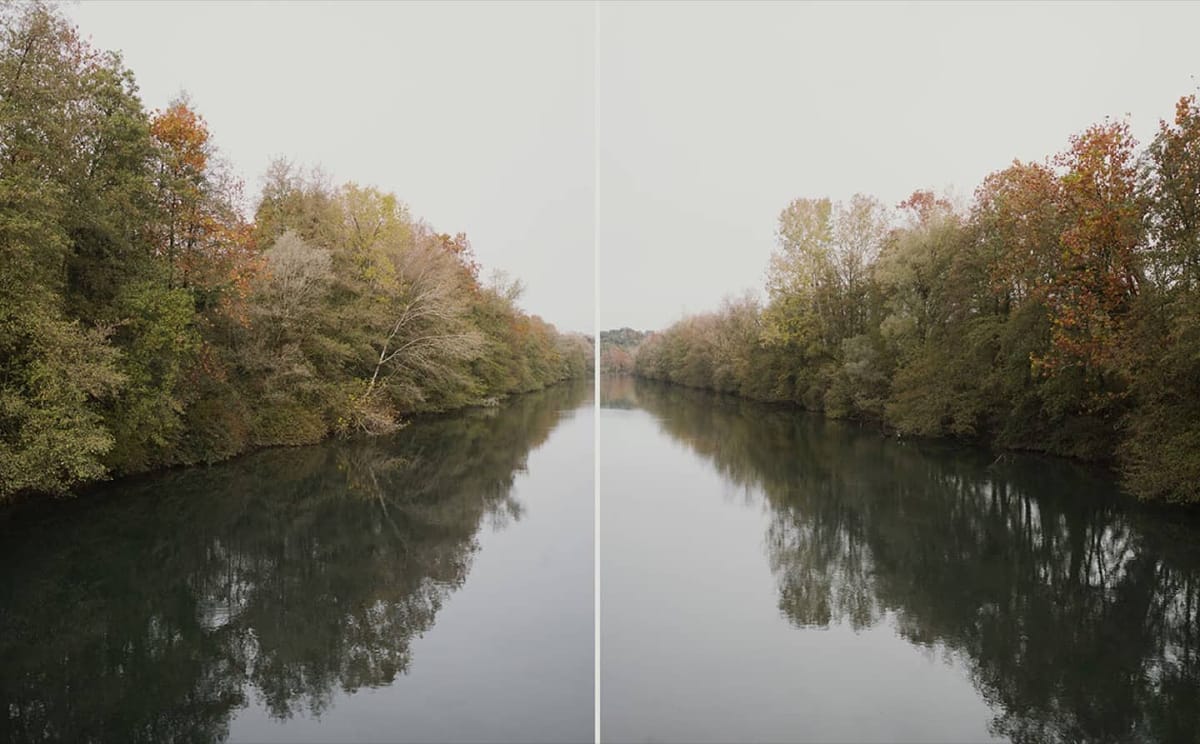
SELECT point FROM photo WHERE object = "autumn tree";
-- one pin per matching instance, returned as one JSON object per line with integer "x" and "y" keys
{"x": 406, "y": 291}
{"x": 206, "y": 243}
{"x": 1098, "y": 273}
{"x": 1059, "y": 313}
{"x": 1018, "y": 219}
{"x": 144, "y": 322}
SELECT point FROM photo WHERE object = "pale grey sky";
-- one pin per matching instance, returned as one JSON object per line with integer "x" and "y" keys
{"x": 479, "y": 116}
{"x": 711, "y": 118}
{"x": 698, "y": 122}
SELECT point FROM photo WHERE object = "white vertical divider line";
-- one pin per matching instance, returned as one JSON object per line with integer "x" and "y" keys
{"x": 596, "y": 363}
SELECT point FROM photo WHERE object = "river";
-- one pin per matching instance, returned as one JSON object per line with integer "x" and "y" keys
{"x": 766, "y": 575}
{"x": 771, "y": 576}
{"x": 433, "y": 585}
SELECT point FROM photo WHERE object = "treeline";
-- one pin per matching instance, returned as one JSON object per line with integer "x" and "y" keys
{"x": 617, "y": 350}
{"x": 146, "y": 322}
{"x": 1059, "y": 311}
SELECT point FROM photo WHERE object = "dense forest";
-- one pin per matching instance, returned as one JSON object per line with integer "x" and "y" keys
{"x": 147, "y": 320}
{"x": 1058, "y": 311}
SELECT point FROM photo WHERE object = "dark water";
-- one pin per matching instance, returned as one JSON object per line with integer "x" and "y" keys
{"x": 770, "y": 576}
{"x": 431, "y": 586}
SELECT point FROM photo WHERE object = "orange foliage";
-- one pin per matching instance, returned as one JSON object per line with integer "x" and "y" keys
{"x": 207, "y": 243}
{"x": 184, "y": 137}
{"x": 1017, "y": 210}
{"x": 459, "y": 247}
{"x": 923, "y": 205}
{"x": 1098, "y": 275}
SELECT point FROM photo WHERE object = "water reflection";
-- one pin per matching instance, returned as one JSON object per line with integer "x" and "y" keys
{"x": 1076, "y": 611}
{"x": 154, "y": 610}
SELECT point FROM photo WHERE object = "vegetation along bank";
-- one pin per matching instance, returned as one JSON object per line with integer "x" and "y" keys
{"x": 1058, "y": 311}
{"x": 147, "y": 321}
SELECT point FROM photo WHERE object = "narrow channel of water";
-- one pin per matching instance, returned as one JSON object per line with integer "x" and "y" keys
{"x": 435, "y": 585}
{"x": 767, "y": 575}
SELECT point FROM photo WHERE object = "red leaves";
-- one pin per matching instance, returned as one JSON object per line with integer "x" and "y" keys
{"x": 459, "y": 247}
{"x": 1070, "y": 240}
{"x": 1018, "y": 212}
{"x": 1098, "y": 273}
{"x": 924, "y": 206}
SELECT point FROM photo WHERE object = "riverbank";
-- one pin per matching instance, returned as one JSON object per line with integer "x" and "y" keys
{"x": 132, "y": 479}
{"x": 1102, "y": 469}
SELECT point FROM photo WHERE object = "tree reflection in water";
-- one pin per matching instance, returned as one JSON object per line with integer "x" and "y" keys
{"x": 148, "y": 610}
{"x": 1075, "y": 609}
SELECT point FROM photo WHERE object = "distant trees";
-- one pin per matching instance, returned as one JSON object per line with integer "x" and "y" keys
{"x": 617, "y": 349}
{"x": 1057, "y": 312}
{"x": 145, "y": 321}
{"x": 615, "y": 360}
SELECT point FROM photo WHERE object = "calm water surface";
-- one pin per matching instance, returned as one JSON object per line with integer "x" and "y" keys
{"x": 431, "y": 586}
{"x": 770, "y": 576}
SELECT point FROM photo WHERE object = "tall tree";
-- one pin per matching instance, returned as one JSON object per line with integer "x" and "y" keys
{"x": 1098, "y": 273}
{"x": 55, "y": 371}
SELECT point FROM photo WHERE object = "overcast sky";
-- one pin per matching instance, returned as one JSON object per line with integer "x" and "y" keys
{"x": 711, "y": 118}
{"x": 670, "y": 134}
{"x": 480, "y": 117}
